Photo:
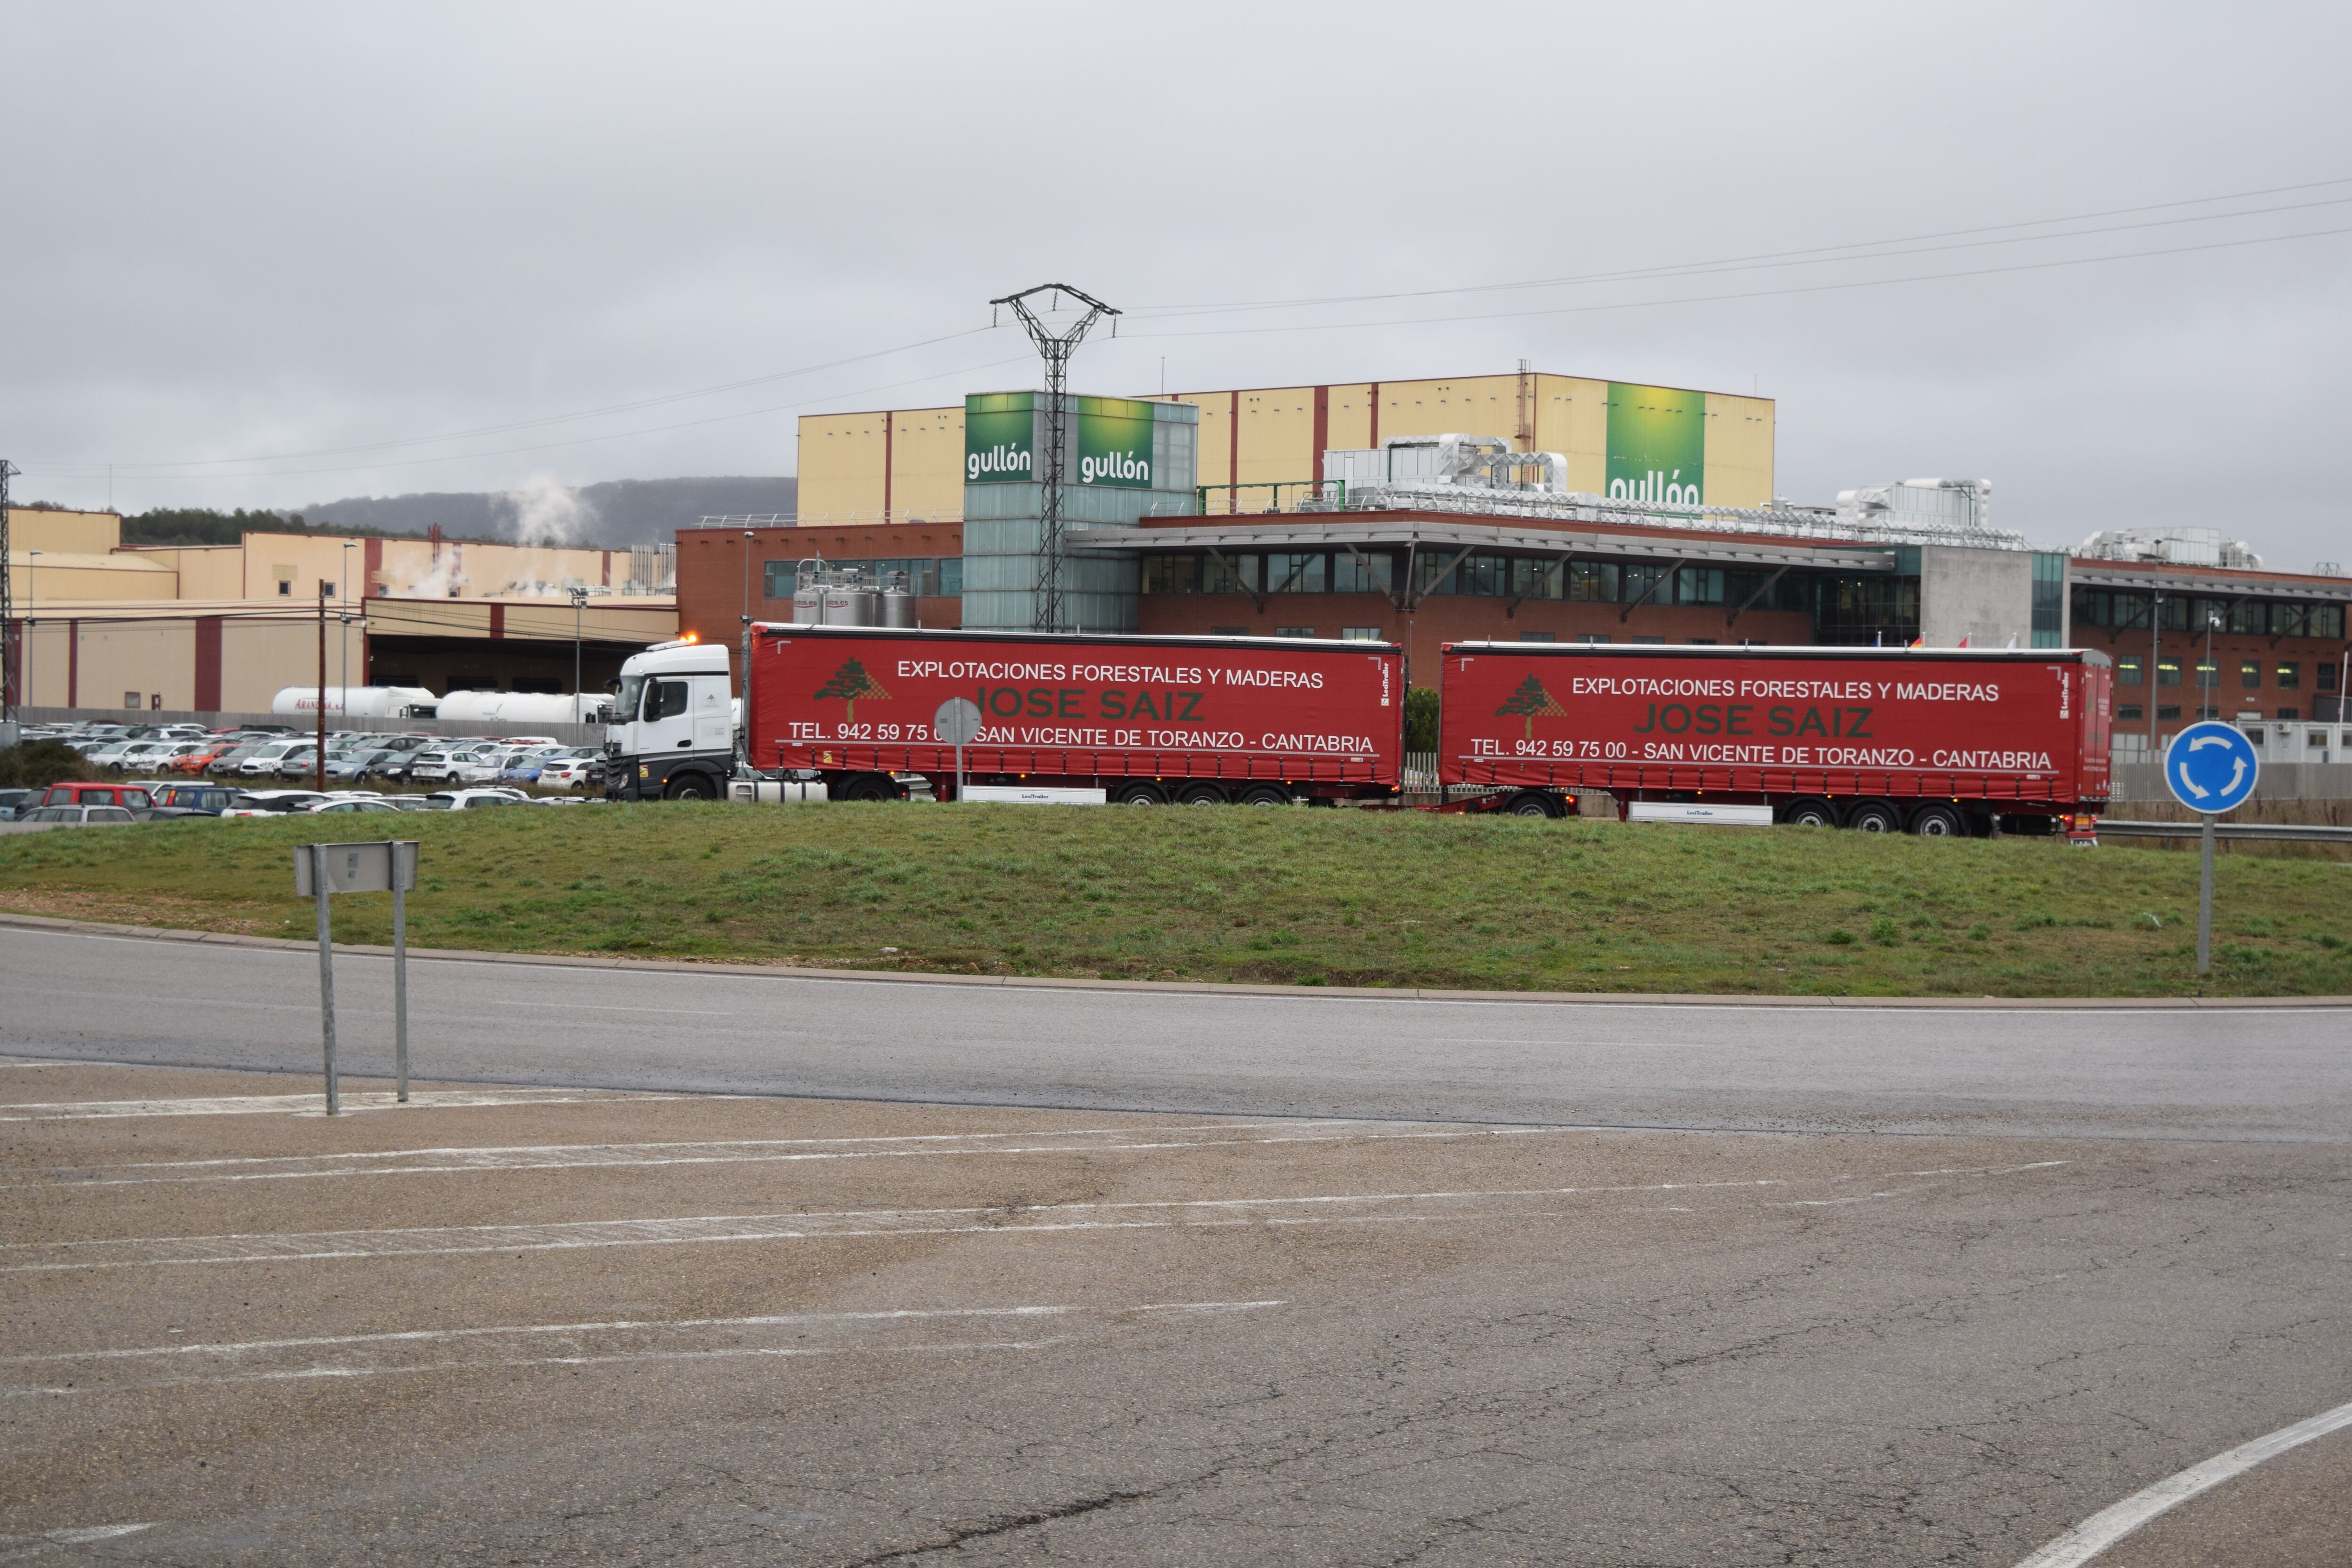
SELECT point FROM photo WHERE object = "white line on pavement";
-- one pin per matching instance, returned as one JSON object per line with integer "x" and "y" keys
{"x": 1322, "y": 1209}
{"x": 554, "y": 1344}
{"x": 579, "y": 1157}
{"x": 314, "y": 1104}
{"x": 2109, "y": 1525}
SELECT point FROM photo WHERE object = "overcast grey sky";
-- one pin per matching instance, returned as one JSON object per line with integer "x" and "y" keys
{"x": 266, "y": 242}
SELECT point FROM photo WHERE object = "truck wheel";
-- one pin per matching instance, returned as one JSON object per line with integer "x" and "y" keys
{"x": 1139, "y": 794}
{"x": 1808, "y": 813}
{"x": 866, "y": 787}
{"x": 1265, "y": 795}
{"x": 693, "y": 786}
{"x": 1938, "y": 822}
{"x": 1203, "y": 795}
{"x": 1531, "y": 803}
{"x": 1875, "y": 817}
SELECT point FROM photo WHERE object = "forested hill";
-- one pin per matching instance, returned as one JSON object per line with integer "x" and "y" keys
{"x": 616, "y": 513}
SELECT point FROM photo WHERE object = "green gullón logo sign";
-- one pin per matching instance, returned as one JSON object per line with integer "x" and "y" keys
{"x": 999, "y": 438}
{"x": 1114, "y": 442}
{"x": 1005, "y": 439}
{"x": 1657, "y": 444}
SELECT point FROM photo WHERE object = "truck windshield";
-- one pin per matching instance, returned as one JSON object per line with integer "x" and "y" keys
{"x": 625, "y": 706}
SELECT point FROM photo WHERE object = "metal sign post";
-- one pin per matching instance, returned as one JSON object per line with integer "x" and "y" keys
{"x": 2211, "y": 768}
{"x": 323, "y": 869}
{"x": 958, "y": 723}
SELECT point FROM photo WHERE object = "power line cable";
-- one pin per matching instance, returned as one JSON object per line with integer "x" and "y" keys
{"x": 525, "y": 424}
{"x": 1817, "y": 255}
{"x": 1753, "y": 294}
{"x": 581, "y": 440}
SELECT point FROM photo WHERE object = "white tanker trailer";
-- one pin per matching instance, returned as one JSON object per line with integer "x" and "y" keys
{"x": 358, "y": 701}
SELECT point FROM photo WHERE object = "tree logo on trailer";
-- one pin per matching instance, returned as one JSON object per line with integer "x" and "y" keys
{"x": 849, "y": 683}
{"x": 1530, "y": 702}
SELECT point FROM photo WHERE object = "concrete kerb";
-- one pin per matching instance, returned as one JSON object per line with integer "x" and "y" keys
{"x": 1192, "y": 987}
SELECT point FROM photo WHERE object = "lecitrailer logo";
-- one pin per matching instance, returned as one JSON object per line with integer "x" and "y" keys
{"x": 1002, "y": 458}
{"x": 1123, "y": 467}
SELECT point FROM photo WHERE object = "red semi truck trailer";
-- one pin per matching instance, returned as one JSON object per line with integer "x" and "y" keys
{"x": 1147, "y": 720}
{"x": 1931, "y": 740}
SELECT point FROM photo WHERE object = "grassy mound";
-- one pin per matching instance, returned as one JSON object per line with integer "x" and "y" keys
{"x": 1311, "y": 897}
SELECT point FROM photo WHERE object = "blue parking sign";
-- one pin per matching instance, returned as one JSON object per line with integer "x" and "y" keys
{"x": 2211, "y": 767}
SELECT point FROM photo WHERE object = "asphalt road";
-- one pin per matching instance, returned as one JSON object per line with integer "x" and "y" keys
{"x": 2023, "y": 1265}
{"x": 2251, "y": 1073}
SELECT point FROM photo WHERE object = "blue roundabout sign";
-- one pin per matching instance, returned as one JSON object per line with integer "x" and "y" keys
{"x": 2211, "y": 767}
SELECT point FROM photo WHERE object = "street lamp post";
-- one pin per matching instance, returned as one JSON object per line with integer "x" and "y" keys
{"x": 32, "y": 602}
{"x": 579, "y": 601}
{"x": 343, "y": 632}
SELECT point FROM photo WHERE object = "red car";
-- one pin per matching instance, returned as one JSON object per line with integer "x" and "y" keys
{"x": 135, "y": 798}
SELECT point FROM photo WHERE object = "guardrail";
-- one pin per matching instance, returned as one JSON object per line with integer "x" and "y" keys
{"x": 2285, "y": 832}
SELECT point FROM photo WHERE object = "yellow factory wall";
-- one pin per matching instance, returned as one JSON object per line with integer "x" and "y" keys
{"x": 259, "y": 658}
{"x": 926, "y": 467}
{"x": 47, "y": 647}
{"x": 299, "y": 564}
{"x": 841, "y": 467}
{"x": 1739, "y": 450}
{"x": 72, "y": 532}
{"x": 57, "y": 578}
{"x": 130, "y": 664}
{"x": 206, "y": 571}
{"x": 841, "y": 463}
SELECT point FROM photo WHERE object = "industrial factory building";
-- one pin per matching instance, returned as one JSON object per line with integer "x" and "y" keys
{"x": 1526, "y": 507}
{"x": 221, "y": 628}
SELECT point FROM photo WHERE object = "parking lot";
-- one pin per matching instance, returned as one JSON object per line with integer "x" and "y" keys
{"x": 145, "y": 772}
{"x": 553, "y": 1324}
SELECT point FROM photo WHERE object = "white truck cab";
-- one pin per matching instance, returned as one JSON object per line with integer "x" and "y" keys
{"x": 672, "y": 735}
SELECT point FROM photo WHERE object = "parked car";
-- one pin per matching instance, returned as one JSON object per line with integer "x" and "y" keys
{"x": 266, "y": 758}
{"x": 466, "y": 799}
{"x": 13, "y": 800}
{"x": 131, "y": 797}
{"x": 273, "y": 802}
{"x": 325, "y": 806}
{"x": 299, "y": 762}
{"x": 78, "y": 816}
{"x": 211, "y": 800}
{"x": 566, "y": 773}
{"x": 200, "y": 756}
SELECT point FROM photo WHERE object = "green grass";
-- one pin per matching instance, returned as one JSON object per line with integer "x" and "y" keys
{"x": 1343, "y": 898}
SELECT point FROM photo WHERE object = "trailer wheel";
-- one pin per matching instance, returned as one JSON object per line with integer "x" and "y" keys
{"x": 1531, "y": 803}
{"x": 1145, "y": 793}
{"x": 1938, "y": 822}
{"x": 1204, "y": 794}
{"x": 866, "y": 787}
{"x": 1265, "y": 794}
{"x": 1808, "y": 813}
{"x": 1875, "y": 817}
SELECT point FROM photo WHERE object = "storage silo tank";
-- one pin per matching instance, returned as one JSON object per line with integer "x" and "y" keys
{"x": 898, "y": 603}
{"x": 851, "y": 602}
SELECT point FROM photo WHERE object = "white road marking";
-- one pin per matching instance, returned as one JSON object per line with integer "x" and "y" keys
{"x": 314, "y": 1104}
{"x": 1352, "y": 1208}
{"x": 552, "y": 1344}
{"x": 15, "y": 1548}
{"x": 609, "y": 1007}
{"x": 578, "y": 1156}
{"x": 2109, "y": 1525}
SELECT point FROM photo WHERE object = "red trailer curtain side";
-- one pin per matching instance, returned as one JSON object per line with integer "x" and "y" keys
{"x": 2023, "y": 726}
{"x": 1081, "y": 706}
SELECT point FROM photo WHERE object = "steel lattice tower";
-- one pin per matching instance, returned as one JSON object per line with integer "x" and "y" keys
{"x": 1057, "y": 351}
{"x": 9, "y": 657}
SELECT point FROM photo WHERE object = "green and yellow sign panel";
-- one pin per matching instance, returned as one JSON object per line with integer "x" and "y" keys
{"x": 1114, "y": 442}
{"x": 999, "y": 438}
{"x": 1005, "y": 439}
{"x": 1657, "y": 444}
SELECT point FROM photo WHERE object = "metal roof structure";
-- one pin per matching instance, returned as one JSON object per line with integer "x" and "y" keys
{"x": 1340, "y": 532}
